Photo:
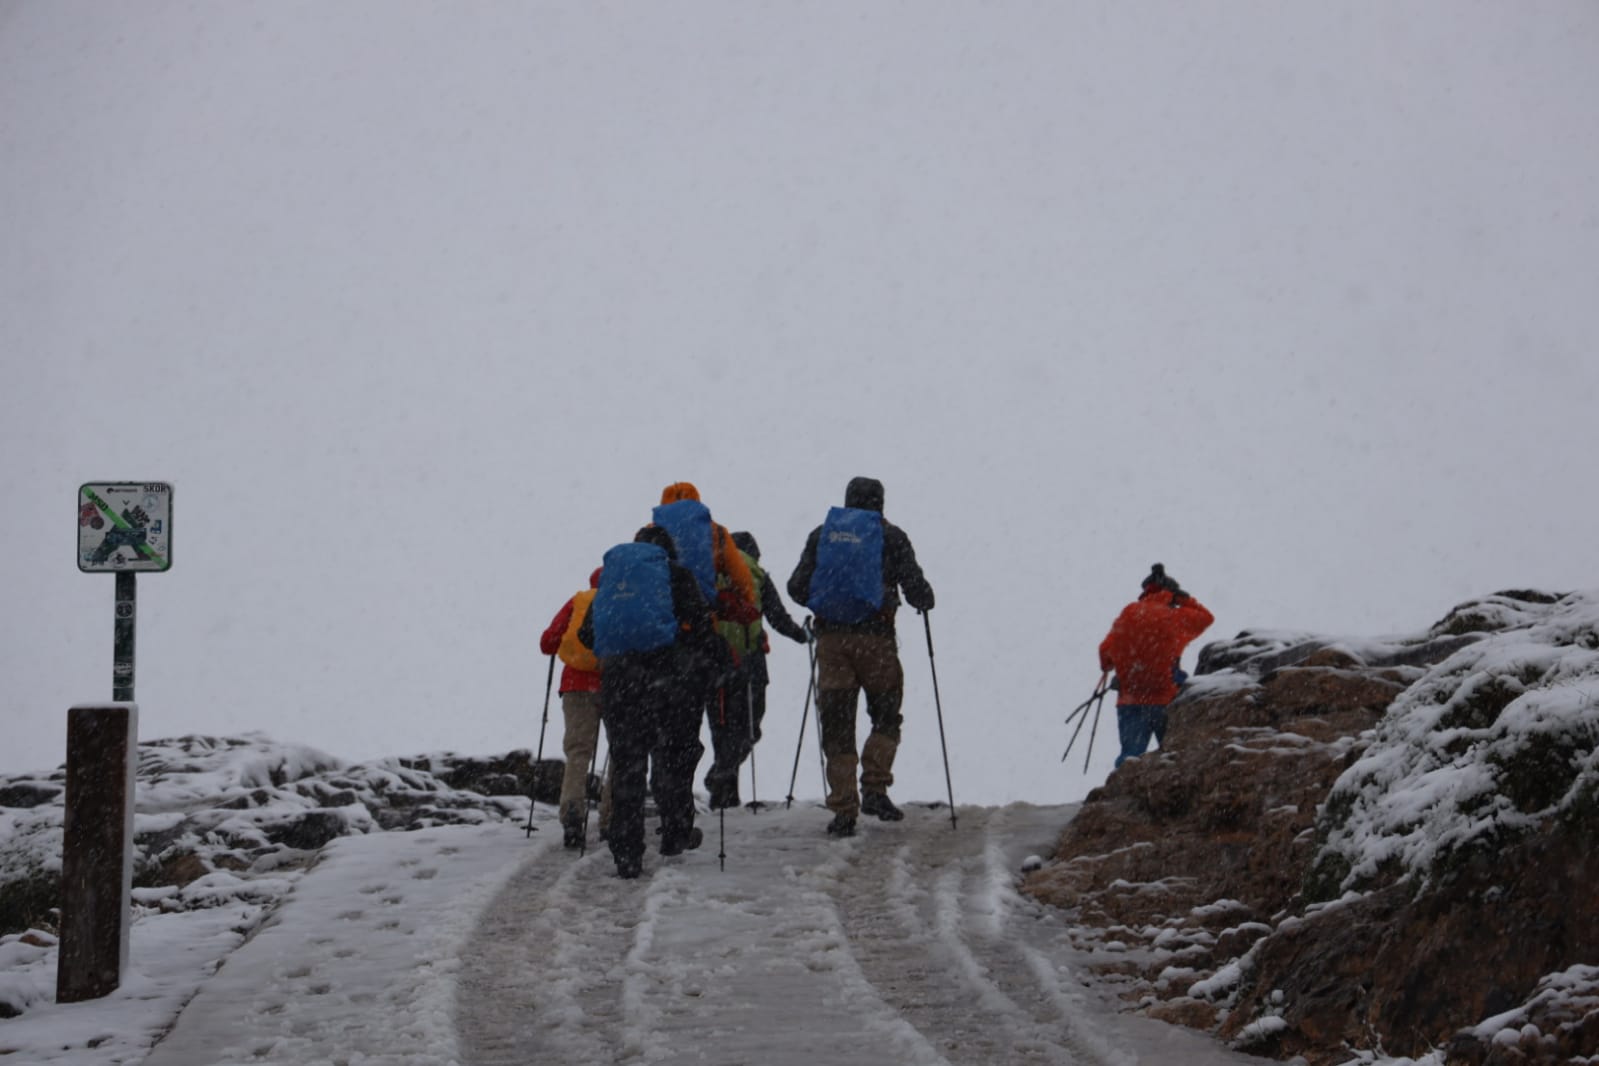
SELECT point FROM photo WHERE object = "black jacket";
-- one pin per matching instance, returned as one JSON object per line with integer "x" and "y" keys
{"x": 900, "y": 568}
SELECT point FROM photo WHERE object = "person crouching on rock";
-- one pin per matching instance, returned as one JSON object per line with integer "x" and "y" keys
{"x": 1144, "y": 647}
{"x": 652, "y": 631}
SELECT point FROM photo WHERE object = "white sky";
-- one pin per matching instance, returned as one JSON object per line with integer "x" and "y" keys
{"x": 419, "y": 306}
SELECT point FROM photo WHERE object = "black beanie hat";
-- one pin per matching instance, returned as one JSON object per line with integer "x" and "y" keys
{"x": 1157, "y": 579}
{"x": 745, "y": 542}
{"x": 865, "y": 493}
{"x": 657, "y": 536}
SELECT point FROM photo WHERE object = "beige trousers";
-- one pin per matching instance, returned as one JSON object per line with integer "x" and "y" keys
{"x": 847, "y": 664}
{"x": 582, "y": 740}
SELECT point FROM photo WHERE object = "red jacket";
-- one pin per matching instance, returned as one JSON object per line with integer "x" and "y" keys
{"x": 1145, "y": 643}
{"x": 572, "y": 679}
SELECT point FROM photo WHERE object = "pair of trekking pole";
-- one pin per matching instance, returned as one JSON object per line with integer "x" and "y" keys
{"x": 811, "y": 687}
{"x": 1080, "y": 712}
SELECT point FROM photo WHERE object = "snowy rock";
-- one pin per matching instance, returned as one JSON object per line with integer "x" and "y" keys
{"x": 1382, "y": 808}
{"x": 246, "y": 808}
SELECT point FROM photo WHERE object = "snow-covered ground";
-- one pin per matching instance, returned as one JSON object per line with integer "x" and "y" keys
{"x": 477, "y": 944}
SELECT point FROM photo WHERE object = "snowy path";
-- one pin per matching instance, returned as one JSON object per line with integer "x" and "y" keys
{"x": 906, "y": 944}
{"x": 475, "y": 945}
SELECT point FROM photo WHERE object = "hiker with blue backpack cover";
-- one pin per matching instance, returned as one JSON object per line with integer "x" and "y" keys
{"x": 850, "y": 576}
{"x": 658, "y": 649}
{"x": 706, "y": 549}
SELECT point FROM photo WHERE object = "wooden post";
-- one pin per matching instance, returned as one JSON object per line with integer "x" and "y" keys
{"x": 97, "y": 849}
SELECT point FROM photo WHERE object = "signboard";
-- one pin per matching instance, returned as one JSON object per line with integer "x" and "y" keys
{"x": 124, "y": 526}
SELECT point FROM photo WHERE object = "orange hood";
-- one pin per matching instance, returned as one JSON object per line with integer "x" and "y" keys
{"x": 679, "y": 490}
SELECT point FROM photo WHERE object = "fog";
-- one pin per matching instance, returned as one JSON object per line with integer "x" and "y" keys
{"x": 419, "y": 306}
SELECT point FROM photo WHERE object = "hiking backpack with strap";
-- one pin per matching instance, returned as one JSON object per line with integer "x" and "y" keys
{"x": 572, "y": 651}
{"x": 689, "y": 524}
{"x": 744, "y": 637}
{"x": 632, "y": 608}
{"x": 847, "y": 585}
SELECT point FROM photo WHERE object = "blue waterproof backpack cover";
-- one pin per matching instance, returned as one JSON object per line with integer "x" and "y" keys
{"x": 847, "y": 585}
{"x": 632, "y": 608}
{"x": 689, "y": 523}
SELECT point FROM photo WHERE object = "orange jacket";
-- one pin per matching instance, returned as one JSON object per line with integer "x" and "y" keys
{"x": 736, "y": 602}
{"x": 1145, "y": 643}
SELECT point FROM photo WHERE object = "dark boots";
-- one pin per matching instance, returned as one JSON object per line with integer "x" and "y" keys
{"x": 878, "y": 803}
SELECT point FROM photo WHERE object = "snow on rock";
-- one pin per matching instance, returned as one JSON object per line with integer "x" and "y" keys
{"x": 229, "y": 823}
{"x": 1378, "y": 809}
{"x": 1490, "y": 744}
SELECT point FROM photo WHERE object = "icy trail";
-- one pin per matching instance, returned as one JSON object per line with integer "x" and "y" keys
{"x": 479, "y": 946}
{"x": 906, "y": 944}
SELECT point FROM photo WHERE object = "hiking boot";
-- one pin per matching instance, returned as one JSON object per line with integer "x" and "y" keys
{"x": 879, "y": 804}
{"x": 842, "y": 825}
{"x": 677, "y": 845}
{"x": 628, "y": 869}
{"x": 724, "y": 796}
{"x": 573, "y": 833}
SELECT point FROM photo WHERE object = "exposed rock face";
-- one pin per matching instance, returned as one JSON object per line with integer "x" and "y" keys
{"x": 1254, "y": 880}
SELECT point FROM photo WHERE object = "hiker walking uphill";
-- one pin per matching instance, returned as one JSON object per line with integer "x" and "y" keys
{"x": 658, "y": 650}
{"x": 1144, "y": 648}
{"x": 705, "y": 548}
{"x": 850, "y": 576}
{"x": 580, "y": 705}
{"x": 736, "y": 725}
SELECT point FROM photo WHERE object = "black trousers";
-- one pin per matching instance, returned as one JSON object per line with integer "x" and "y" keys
{"x": 733, "y": 736}
{"x": 652, "y": 723}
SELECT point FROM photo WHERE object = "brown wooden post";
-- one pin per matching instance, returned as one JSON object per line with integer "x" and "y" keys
{"x": 97, "y": 849}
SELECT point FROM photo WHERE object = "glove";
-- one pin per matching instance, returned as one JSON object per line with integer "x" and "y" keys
{"x": 804, "y": 637}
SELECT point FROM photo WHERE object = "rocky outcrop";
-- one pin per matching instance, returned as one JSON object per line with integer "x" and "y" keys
{"x": 1349, "y": 845}
{"x": 247, "y": 805}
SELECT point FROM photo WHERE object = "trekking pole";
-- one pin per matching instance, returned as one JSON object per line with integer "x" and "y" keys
{"x": 810, "y": 686}
{"x": 755, "y": 803}
{"x": 533, "y": 789}
{"x": 1080, "y": 712}
{"x": 927, "y": 623}
{"x": 594, "y": 762}
{"x": 721, "y": 847}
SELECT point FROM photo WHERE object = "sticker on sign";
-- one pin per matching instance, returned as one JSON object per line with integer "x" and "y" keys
{"x": 124, "y": 525}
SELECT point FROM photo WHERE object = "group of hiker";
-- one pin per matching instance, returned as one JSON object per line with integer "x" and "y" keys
{"x": 673, "y": 630}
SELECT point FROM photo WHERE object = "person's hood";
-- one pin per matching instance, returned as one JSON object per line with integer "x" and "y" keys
{"x": 745, "y": 542}
{"x": 679, "y": 490}
{"x": 864, "y": 493}
{"x": 594, "y": 578}
{"x": 658, "y": 536}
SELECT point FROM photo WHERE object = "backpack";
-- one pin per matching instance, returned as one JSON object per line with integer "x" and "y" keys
{"x": 745, "y": 637}
{"x": 632, "y": 608}
{"x": 689, "y": 523}
{"x": 572, "y": 651}
{"x": 847, "y": 585}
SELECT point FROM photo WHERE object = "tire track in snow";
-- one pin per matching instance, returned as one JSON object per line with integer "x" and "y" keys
{"x": 905, "y": 944}
{"x": 937, "y": 931}
{"x": 542, "y": 980}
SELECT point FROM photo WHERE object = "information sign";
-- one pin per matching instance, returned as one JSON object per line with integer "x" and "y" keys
{"x": 124, "y": 526}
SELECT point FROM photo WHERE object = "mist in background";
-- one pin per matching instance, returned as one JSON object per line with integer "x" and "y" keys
{"x": 419, "y": 307}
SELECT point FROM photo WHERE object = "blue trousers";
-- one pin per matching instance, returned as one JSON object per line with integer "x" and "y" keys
{"x": 1137, "y": 723}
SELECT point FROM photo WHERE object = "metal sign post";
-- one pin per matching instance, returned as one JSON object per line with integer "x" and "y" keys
{"x": 123, "y": 527}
